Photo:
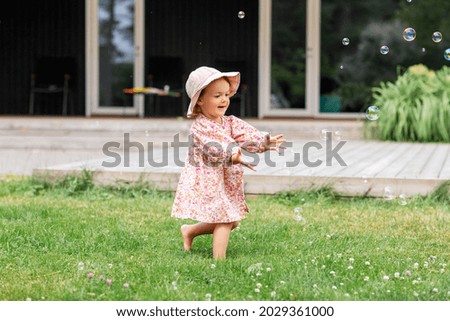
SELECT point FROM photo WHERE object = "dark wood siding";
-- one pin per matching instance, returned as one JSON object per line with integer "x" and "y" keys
{"x": 205, "y": 32}
{"x": 31, "y": 29}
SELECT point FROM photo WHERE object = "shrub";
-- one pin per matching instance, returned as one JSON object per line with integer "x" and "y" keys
{"x": 416, "y": 107}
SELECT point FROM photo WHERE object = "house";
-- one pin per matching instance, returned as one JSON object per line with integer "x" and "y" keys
{"x": 105, "y": 46}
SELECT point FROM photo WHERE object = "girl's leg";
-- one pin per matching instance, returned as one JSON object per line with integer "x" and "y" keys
{"x": 188, "y": 232}
{"x": 221, "y": 236}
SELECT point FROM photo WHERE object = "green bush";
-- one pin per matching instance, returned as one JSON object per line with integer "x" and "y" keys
{"x": 416, "y": 107}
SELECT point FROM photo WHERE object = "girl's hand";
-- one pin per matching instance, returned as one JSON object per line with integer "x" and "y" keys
{"x": 238, "y": 158}
{"x": 273, "y": 143}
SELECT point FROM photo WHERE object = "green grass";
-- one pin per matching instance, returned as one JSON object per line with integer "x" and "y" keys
{"x": 52, "y": 236}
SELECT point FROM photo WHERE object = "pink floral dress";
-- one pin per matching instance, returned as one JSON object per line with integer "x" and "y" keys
{"x": 210, "y": 188}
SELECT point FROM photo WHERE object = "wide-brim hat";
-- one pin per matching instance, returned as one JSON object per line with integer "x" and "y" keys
{"x": 201, "y": 77}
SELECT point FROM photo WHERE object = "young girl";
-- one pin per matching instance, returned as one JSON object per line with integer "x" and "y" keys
{"x": 210, "y": 189}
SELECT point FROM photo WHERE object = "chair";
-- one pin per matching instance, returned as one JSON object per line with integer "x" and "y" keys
{"x": 52, "y": 76}
{"x": 242, "y": 97}
{"x": 166, "y": 71}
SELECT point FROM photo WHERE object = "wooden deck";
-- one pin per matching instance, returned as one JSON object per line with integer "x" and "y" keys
{"x": 370, "y": 167}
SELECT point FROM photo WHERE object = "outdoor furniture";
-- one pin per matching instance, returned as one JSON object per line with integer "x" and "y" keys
{"x": 52, "y": 76}
{"x": 167, "y": 72}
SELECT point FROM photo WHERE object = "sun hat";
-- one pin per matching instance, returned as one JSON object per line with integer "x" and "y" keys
{"x": 201, "y": 77}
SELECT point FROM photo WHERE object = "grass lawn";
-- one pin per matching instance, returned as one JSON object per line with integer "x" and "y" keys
{"x": 64, "y": 242}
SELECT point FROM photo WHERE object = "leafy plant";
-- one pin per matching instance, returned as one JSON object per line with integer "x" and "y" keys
{"x": 416, "y": 107}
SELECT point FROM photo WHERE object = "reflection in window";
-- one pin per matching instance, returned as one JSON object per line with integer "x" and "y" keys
{"x": 288, "y": 53}
{"x": 350, "y": 71}
{"x": 116, "y": 47}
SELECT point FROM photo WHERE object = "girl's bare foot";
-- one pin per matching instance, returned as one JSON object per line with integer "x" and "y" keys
{"x": 187, "y": 239}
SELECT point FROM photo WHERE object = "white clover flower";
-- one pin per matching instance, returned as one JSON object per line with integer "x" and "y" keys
{"x": 333, "y": 273}
{"x": 367, "y": 263}
{"x": 396, "y": 275}
{"x": 334, "y": 287}
{"x": 425, "y": 264}
{"x": 435, "y": 290}
{"x": 257, "y": 290}
{"x": 273, "y": 294}
{"x": 415, "y": 282}
{"x": 415, "y": 293}
{"x": 385, "y": 278}
{"x": 347, "y": 295}
{"x": 268, "y": 269}
{"x": 258, "y": 285}
{"x": 351, "y": 260}
{"x": 314, "y": 286}
{"x": 328, "y": 236}
{"x": 350, "y": 267}
{"x": 282, "y": 282}
{"x": 366, "y": 278}
{"x": 408, "y": 273}
{"x": 323, "y": 267}
{"x": 416, "y": 265}
{"x": 341, "y": 284}
{"x": 388, "y": 291}
{"x": 258, "y": 274}
{"x": 432, "y": 258}
{"x": 313, "y": 261}
{"x": 213, "y": 266}
{"x": 442, "y": 270}
{"x": 208, "y": 296}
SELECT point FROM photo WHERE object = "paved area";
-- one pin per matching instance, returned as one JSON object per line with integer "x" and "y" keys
{"x": 57, "y": 146}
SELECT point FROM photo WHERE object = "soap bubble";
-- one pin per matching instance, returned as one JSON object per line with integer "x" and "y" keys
{"x": 447, "y": 54}
{"x": 402, "y": 199}
{"x": 409, "y": 1}
{"x": 437, "y": 37}
{"x": 388, "y": 194}
{"x": 323, "y": 134}
{"x": 337, "y": 135}
{"x": 345, "y": 41}
{"x": 241, "y": 14}
{"x": 373, "y": 113}
{"x": 409, "y": 34}
{"x": 384, "y": 50}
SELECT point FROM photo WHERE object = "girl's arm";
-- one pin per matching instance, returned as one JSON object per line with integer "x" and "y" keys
{"x": 253, "y": 140}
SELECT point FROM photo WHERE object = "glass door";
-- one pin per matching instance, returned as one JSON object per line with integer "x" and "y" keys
{"x": 115, "y": 58}
{"x": 289, "y": 57}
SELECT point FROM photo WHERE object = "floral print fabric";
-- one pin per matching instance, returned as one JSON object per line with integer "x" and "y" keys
{"x": 210, "y": 188}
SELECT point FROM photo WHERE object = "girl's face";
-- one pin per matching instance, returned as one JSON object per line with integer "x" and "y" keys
{"x": 215, "y": 99}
